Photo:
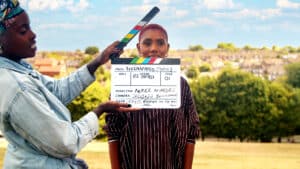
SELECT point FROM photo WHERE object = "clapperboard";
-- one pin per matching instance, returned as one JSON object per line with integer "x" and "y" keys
{"x": 146, "y": 82}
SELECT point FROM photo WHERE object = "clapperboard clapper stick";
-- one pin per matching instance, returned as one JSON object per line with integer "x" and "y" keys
{"x": 135, "y": 31}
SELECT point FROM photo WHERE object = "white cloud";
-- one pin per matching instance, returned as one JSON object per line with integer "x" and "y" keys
{"x": 137, "y": 9}
{"x": 206, "y": 21}
{"x": 197, "y": 22}
{"x": 81, "y": 5}
{"x": 181, "y": 13}
{"x": 245, "y": 13}
{"x": 71, "y": 5}
{"x": 164, "y": 1}
{"x": 156, "y": 1}
{"x": 218, "y": 4}
{"x": 68, "y": 26}
{"x": 287, "y": 4}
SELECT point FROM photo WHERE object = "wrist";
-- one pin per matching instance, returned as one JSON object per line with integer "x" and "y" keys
{"x": 98, "y": 111}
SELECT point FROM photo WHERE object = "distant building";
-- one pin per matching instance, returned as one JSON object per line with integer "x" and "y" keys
{"x": 49, "y": 66}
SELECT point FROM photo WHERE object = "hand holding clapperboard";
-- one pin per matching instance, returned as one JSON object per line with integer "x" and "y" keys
{"x": 145, "y": 82}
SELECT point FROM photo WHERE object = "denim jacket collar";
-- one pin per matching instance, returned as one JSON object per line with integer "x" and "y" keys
{"x": 21, "y": 67}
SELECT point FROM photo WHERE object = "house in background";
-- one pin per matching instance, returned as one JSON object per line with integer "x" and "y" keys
{"x": 49, "y": 66}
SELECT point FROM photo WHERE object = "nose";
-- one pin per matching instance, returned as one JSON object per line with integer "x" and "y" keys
{"x": 33, "y": 35}
{"x": 154, "y": 47}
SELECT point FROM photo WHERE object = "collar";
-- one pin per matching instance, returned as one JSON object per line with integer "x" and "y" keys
{"x": 21, "y": 67}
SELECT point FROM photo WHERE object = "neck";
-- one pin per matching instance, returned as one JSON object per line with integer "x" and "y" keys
{"x": 11, "y": 58}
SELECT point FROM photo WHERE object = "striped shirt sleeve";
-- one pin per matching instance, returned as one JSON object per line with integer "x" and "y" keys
{"x": 194, "y": 127}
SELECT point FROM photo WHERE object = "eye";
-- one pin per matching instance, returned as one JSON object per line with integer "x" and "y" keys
{"x": 23, "y": 30}
{"x": 147, "y": 42}
{"x": 160, "y": 42}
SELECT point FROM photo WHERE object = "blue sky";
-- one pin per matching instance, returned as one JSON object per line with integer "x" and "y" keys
{"x": 75, "y": 24}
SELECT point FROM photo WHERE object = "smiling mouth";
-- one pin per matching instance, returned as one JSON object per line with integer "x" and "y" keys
{"x": 33, "y": 46}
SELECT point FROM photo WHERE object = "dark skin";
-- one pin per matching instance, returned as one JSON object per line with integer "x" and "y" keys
{"x": 18, "y": 42}
{"x": 153, "y": 43}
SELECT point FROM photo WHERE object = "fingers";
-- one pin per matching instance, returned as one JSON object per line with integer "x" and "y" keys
{"x": 117, "y": 104}
{"x": 121, "y": 107}
{"x": 128, "y": 109}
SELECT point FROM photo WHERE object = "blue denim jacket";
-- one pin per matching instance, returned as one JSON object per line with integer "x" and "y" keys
{"x": 35, "y": 120}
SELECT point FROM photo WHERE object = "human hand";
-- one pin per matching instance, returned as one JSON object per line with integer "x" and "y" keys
{"x": 104, "y": 56}
{"x": 112, "y": 106}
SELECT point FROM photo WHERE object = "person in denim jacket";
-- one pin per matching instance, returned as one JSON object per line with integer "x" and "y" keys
{"x": 33, "y": 114}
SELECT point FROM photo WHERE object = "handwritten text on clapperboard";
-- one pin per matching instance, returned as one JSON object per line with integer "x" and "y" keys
{"x": 146, "y": 82}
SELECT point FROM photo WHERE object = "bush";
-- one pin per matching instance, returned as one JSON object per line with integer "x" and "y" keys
{"x": 91, "y": 50}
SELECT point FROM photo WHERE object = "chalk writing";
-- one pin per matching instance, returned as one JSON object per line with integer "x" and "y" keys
{"x": 146, "y": 85}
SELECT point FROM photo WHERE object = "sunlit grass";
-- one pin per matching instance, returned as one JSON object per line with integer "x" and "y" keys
{"x": 213, "y": 155}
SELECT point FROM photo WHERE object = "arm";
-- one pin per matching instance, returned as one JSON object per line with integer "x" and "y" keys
{"x": 115, "y": 122}
{"x": 114, "y": 154}
{"x": 189, "y": 155}
{"x": 66, "y": 89}
{"x": 194, "y": 127}
{"x": 103, "y": 57}
{"x": 51, "y": 132}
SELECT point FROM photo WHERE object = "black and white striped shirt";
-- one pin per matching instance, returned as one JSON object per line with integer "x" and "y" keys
{"x": 155, "y": 138}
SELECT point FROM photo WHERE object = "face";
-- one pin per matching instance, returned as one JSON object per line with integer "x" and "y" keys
{"x": 153, "y": 43}
{"x": 18, "y": 41}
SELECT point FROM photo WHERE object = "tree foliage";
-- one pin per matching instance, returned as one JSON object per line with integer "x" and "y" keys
{"x": 206, "y": 67}
{"x": 293, "y": 74}
{"x": 91, "y": 50}
{"x": 192, "y": 72}
{"x": 97, "y": 93}
{"x": 248, "y": 47}
{"x": 240, "y": 105}
{"x": 196, "y": 47}
{"x": 204, "y": 91}
{"x": 226, "y": 46}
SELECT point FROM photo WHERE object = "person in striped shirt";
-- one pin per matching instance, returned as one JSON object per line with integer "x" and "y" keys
{"x": 154, "y": 138}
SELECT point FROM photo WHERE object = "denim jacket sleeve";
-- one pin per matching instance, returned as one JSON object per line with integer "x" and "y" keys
{"x": 32, "y": 117}
{"x": 66, "y": 89}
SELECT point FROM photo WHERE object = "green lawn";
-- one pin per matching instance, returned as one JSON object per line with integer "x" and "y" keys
{"x": 214, "y": 155}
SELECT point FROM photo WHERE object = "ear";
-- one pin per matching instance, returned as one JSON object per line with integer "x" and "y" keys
{"x": 138, "y": 47}
{"x": 168, "y": 47}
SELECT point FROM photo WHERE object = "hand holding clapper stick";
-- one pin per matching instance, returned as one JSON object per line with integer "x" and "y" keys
{"x": 135, "y": 31}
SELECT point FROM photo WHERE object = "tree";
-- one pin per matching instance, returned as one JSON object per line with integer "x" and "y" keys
{"x": 264, "y": 48}
{"x": 275, "y": 48}
{"x": 226, "y": 46}
{"x": 196, "y": 48}
{"x": 286, "y": 109}
{"x": 243, "y": 106}
{"x": 288, "y": 49}
{"x": 204, "y": 92}
{"x": 248, "y": 47}
{"x": 91, "y": 50}
{"x": 192, "y": 72}
{"x": 205, "y": 67}
{"x": 293, "y": 74}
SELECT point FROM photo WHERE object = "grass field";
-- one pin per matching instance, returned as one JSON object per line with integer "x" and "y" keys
{"x": 212, "y": 155}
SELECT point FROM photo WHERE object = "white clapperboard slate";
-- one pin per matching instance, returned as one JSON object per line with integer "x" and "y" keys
{"x": 146, "y": 82}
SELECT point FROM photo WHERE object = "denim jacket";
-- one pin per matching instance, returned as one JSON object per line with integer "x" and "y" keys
{"x": 35, "y": 121}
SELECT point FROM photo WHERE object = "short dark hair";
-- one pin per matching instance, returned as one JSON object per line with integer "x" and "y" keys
{"x": 153, "y": 26}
